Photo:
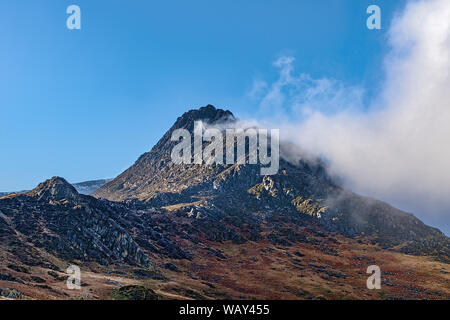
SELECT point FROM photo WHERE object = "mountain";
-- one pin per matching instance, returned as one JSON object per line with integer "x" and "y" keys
{"x": 89, "y": 187}
{"x": 86, "y": 187}
{"x": 166, "y": 231}
{"x": 301, "y": 188}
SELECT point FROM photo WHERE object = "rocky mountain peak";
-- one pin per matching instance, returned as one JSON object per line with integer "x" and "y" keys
{"x": 55, "y": 189}
{"x": 208, "y": 113}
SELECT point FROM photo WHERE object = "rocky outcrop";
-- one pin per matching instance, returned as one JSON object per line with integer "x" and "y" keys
{"x": 54, "y": 189}
{"x": 77, "y": 227}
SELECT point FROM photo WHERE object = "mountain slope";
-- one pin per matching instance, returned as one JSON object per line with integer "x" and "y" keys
{"x": 55, "y": 217}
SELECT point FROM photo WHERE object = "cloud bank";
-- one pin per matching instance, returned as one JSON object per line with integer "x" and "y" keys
{"x": 396, "y": 148}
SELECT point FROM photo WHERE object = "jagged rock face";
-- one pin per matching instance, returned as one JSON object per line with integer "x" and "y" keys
{"x": 77, "y": 227}
{"x": 301, "y": 190}
{"x": 350, "y": 214}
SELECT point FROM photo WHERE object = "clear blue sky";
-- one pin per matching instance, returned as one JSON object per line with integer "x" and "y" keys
{"x": 84, "y": 104}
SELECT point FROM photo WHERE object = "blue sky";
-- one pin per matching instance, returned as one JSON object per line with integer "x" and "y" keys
{"x": 84, "y": 104}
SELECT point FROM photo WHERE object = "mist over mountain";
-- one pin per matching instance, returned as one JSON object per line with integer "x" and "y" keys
{"x": 392, "y": 146}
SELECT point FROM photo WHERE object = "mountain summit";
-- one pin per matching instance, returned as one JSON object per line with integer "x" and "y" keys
{"x": 154, "y": 173}
{"x": 56, "y": 189}
{"x": 207, "y": 114}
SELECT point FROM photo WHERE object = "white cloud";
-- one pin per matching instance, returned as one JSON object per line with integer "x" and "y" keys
{"x": 399, "y": 150}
